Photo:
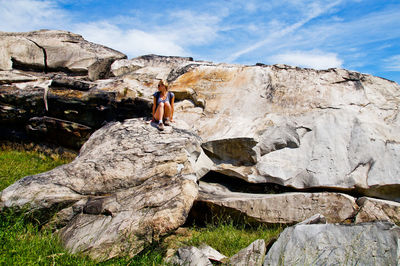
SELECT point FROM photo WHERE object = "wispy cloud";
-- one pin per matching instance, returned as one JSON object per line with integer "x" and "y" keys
{"x": 315, "y": 12}
{"x": 310, "y": 59}
{"x": 392, "y": 63}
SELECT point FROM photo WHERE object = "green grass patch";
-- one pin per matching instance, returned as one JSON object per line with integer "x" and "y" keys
{"x": 16, "y": 164}
{"x": 229, "y": 238}
{"x": 22, "y": 243}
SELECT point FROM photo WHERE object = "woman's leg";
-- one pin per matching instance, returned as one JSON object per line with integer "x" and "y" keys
{"x": 167, "y": 114}
{"x": 167, "y": 111}
{"x": 159, "y": 112}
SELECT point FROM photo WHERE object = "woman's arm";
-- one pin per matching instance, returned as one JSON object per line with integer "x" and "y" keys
{"x": 154, "y": 107}
{"x": 172, "y": 108}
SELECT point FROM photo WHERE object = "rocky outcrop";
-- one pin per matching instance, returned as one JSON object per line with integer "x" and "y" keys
{"x": 286, "y": 208}
{"x": 129, "y": 185}
{"x": 58, "y": 97}
{"x": 298, "y": 128}
{"x": 332, "y": 244}
{"x": 302, "y": 128}
{"x": 298, "y": 140}
{"x": 51, "y": 50}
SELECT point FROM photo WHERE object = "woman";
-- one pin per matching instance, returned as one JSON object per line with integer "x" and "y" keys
{"x": 163, "y": 106}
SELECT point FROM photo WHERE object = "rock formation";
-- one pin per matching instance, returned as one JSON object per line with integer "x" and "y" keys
{"x": 274, "y": 144}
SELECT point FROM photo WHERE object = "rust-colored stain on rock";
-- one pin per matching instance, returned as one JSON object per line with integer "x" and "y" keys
{"x": 200, "y": 79}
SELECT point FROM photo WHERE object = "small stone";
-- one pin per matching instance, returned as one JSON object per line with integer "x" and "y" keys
{"x": 252, "y": 255}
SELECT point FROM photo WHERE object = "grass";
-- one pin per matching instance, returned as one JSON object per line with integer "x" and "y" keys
{"x": 24, "y": 242}
{"x": 15, "y": 164}
{"x": 229, "y": 238}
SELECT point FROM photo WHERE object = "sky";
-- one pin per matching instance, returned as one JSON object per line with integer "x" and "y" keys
{"x": 358, "y": 35}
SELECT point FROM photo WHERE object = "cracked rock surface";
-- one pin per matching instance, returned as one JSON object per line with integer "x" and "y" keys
{"x": 129, "y": 185}
{"x": 299, "y": 128}
{"x": 53, "y": 50}
{"x": 285, "y": 208}
{"x": 334, "y": 244}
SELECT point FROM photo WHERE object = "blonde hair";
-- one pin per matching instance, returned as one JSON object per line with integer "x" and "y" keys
{"x": 164, "y": 83}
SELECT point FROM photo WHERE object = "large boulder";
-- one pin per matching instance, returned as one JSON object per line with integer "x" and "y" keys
{"x": 129, "y": 185}
{"x": 334, "y": 244}
{"x": 54, "y": 50}
{"x": 285, "y": 208}
{"x": 300, "y": 128}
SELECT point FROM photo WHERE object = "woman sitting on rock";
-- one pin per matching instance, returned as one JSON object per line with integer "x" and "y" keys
{"x": 163, "y": 106}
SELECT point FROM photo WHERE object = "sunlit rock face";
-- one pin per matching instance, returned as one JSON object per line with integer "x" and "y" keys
{"x": 301, "y": 128}
{"x": 336, "y": 244}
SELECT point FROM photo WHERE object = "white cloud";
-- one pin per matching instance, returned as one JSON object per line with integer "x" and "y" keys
{"x": 27, "y": 15}
{"x": 310, "y": 59}
{"x": 393, "y": 63}
{"x": 179, "y": 30}
{"x": 132, "y": 42}
{"x": 353, "y": 32}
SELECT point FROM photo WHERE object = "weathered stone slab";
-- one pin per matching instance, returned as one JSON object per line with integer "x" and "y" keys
{"x": 335, "y": 244}
{"x": 129, "y": 185}
{"x": 52, "y": 50}
{"x": 377, "y": 210}
{"x": 61, "y": 132}
{"x": 15, "y": 76}
{"x": 152, "y": 65}
{"x": 71, "y": 83}
{"x": 286, "y": 208}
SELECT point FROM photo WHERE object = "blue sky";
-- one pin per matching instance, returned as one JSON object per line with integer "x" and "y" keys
{"x": 360, "y": 35}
